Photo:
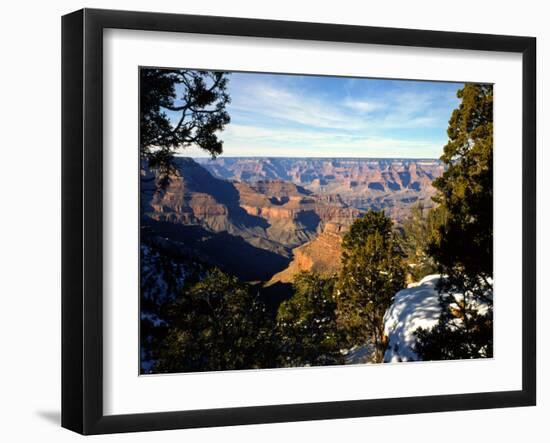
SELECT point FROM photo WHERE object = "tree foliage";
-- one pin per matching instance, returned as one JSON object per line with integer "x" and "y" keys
{"x": 372, "y": 272}
{"x": 462, "y": 244}
{"x": 216, "y": 324}
{"x": 306, "y": 324}
{"x": 461, "y": 332}
{"x": 417, "y": 230}
{"x": 180, "y": 108}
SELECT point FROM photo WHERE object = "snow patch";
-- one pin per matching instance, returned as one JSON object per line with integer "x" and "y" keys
{"x": 161, "y": 277}
{"x": 412, "y": 308}
{"x": 417, "y": 307}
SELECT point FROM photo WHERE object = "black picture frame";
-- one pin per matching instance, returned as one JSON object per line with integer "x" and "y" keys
{"x": 82, "y": 218}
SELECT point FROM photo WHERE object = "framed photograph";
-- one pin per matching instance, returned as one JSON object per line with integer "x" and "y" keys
{"x": 268, "y": 221}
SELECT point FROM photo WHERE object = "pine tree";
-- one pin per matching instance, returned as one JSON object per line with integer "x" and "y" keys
{"x": 461, "y": 332}
{"x": 416, "y": 232}
{"x": 216, "y": 324}
{"x": 306, "y": 324}
{"x": 180, "y": 108}
{"x": 372, "y": 272}
{"x": 462, "y": 244}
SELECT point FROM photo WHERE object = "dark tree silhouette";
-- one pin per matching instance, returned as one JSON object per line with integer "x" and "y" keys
{"x": 216, "y": 324}
{"x": 462, "y": 244}
{"x": 180, "y": 108}
{"x": 306, "y": 324}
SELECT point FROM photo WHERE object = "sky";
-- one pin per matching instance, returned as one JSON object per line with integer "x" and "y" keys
{"x": 275, "y": 115}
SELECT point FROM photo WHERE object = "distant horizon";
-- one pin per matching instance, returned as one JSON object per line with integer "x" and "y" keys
{"x": 332, "y": 157}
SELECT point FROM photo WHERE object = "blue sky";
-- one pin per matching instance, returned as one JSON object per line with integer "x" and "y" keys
{"x": 311, "y": 116}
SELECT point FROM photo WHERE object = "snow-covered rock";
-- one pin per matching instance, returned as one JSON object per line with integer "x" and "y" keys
{"x": 412, "y": 308}
{"x": 417, "y": 307}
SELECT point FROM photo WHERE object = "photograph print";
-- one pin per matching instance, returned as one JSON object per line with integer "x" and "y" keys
{"x": 290, "y": 221}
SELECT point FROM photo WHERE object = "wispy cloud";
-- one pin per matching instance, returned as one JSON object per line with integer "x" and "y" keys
{"x": 281, "y": 104}
{"x": 300, "y": 116}
{"x": 363, "y": 105}
{"x": 243, "y": 140}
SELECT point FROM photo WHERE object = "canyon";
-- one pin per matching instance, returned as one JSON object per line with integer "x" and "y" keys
{"x": 266, "y": 219}
{"x": 392, "y": 185}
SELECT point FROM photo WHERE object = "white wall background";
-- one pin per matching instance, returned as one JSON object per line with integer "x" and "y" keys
{"x": 30, "y": 223}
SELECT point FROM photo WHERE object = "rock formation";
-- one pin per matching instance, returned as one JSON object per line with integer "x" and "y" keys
{"x": 321, "y": 255}
{"x": 389, "y": 184}
{"x": 196, "y": 208}
{"x": 268, "y": 219}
